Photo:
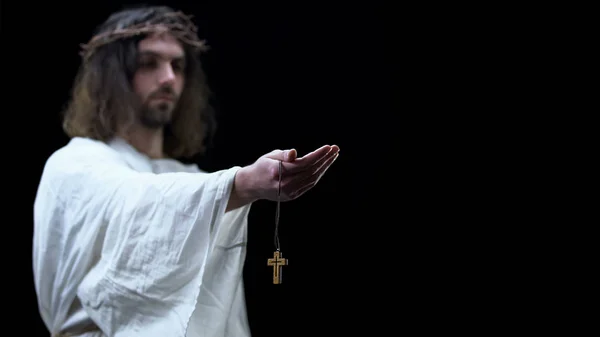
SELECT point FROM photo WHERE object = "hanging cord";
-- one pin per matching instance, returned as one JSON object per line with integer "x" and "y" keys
{"x": 277, "y": 211}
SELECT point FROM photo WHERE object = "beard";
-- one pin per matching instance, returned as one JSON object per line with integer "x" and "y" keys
{"x": 157, "y": 115}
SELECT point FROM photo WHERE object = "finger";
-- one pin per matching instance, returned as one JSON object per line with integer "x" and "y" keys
{"x": 334, "y": 152}
{"x": 321, "y": 167}
{"x": 314, "y": 158}
{"x": 320, "y": 152}
{"x": 318, "y": 173}
{"x": 308, "y": 179}
{"x": 312, "y": 181}
{"x": 293, "y": 170}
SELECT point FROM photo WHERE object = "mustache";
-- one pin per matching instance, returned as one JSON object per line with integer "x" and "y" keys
{"x": 164, "y": 91}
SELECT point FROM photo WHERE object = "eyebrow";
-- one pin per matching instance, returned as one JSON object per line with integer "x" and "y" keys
{"x": 149, "y": 53}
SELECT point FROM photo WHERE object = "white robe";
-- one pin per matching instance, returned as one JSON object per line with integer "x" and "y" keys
{"x": 141, "y": 247}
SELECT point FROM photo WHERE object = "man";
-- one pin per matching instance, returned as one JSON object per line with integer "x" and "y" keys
{"x": 129, "y": 240}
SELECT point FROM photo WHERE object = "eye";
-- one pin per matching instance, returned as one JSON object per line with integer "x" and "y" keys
{"x": 147, "y": 63}
{"x": 178, "y": 66}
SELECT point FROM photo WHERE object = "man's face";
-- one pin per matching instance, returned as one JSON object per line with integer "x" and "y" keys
{"x": 159, "y": 78}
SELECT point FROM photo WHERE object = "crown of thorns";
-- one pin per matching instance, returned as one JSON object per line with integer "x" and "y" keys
{"x": 181, "y": 26}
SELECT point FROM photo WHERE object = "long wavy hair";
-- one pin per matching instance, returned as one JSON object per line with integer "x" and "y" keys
{"x": 102, "y": 97}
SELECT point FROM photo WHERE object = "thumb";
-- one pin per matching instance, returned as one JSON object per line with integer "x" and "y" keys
{"x": 283, "y": 155}
{"x": 289, "y": 155}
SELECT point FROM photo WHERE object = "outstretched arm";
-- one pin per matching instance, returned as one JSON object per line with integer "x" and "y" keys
{"x": 148, "y": 238}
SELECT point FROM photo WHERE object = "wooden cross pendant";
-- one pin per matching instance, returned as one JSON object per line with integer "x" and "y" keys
{"x": 277, "y": 262}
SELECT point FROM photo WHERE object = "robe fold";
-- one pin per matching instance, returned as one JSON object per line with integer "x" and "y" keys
{"x": 137, "y": 246}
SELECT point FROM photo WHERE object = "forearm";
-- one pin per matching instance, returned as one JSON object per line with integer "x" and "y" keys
{"x": 241, "y": 193}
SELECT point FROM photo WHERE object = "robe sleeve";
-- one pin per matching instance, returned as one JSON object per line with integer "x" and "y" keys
{"x": 155, "y": 234}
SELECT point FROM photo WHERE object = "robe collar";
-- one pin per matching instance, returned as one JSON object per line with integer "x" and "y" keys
{"x": 135, "y": 159}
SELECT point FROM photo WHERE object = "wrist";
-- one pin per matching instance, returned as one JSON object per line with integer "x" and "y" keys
{"x": 243, "y": 186}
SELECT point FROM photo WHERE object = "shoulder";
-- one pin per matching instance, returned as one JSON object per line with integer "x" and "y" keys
{"x": 82, "y": 152}
{"x": 80, "y": 157}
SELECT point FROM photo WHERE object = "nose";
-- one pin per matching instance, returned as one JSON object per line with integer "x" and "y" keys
{"x": 167, "y": 75}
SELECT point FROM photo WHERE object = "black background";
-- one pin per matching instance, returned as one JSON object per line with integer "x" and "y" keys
{"x": 284, "y": 76}
{"x": 382, "y": 239}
